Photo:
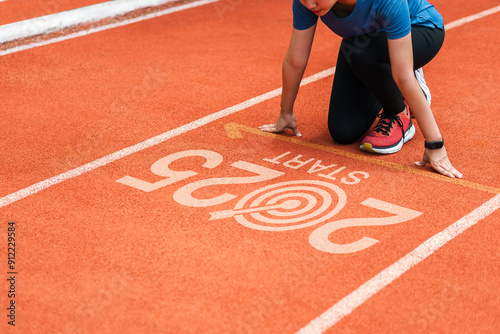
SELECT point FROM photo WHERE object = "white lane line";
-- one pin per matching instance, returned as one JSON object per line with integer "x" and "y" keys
{"x": 18, "y": 195}
{"x": 5, "y": 34}
{"x": 471, "y": 18}
{"x": 356, "y": 298}
{"x": 48, "y": 23}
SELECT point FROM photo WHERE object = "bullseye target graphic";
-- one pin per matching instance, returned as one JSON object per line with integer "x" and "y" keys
{"x": 287, "y": 206}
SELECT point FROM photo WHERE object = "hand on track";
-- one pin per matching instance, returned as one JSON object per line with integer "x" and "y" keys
{"x": 285, "y": 121}
{"x": 438, "y": 159}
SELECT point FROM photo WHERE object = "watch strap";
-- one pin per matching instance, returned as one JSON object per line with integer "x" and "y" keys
{"x": 434, "y": 145}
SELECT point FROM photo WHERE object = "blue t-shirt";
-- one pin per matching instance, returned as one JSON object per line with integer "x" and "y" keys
{"x": 395, "y": 17}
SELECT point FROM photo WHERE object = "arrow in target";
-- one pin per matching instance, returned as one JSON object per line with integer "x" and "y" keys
{"x": 287, "y": 205}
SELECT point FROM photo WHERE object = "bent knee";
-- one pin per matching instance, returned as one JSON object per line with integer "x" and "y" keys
{"x": 341, "y": 136}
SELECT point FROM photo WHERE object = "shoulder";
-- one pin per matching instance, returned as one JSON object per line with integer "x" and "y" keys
{"x": 394, "y": 17}
{"x": 303, "y": 18}
{"x": 390, "y": 8}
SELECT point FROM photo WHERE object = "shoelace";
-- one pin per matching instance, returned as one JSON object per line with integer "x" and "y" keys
{"x": 385, "y": 123}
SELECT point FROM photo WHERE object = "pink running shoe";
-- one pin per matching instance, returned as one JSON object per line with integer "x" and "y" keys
{"x": 391, "y": 132}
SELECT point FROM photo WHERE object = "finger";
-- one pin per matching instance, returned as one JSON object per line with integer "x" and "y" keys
{"x": 269, "y": 128}
{"x": 448, "y": 167}
{"x": 266, "y": 126}
{"x": 441, "y": 170}
{"x": 447, "y": 171}
{"x": 297, "y": 132}
{"x": 420, "y": 163}
{"x": 455, "y": 172}
{"x": 423, "y": 162}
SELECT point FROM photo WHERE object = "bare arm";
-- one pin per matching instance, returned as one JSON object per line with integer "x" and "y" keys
{"x": 293, "y": 68}
{"x": 401, "y": 55}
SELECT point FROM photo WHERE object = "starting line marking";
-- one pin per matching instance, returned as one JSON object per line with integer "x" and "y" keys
{"x": 234, "y": 131}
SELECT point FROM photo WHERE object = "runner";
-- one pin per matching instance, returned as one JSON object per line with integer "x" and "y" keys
{"x": 385, "y": 44}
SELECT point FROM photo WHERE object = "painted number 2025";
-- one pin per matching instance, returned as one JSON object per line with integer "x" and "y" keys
{"x": 320, "y": 238}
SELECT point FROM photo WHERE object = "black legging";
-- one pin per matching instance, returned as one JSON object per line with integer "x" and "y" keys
{"x": 363, "y": 82}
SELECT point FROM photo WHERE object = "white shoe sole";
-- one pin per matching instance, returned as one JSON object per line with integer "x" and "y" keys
{"x": 390, "y": 149}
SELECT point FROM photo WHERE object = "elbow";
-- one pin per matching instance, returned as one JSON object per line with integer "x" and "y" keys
{"x": 296, "y": 62}
{"x": 404, "y": 80}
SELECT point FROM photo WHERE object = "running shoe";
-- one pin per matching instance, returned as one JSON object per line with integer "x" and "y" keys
{"x": 419, "y": 74}
{"x": 391, "y": 132}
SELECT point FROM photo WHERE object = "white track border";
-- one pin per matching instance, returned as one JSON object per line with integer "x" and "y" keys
{"x": 48, "y": 23}
{"x": 92, "y": 13}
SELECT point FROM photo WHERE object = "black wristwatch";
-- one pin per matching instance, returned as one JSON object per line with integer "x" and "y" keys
{"x": 434, "y": 145}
